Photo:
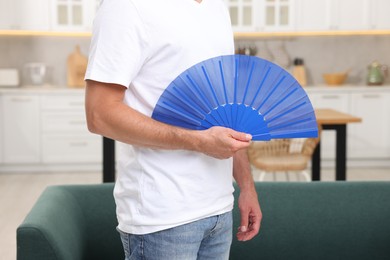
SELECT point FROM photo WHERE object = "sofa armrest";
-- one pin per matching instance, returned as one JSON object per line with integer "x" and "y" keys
{"x": 54, "y": 228}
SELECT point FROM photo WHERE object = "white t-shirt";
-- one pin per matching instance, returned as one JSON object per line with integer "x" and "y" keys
{"x": 144, "y": 45}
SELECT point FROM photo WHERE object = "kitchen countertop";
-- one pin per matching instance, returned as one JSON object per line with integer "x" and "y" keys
{"x": 41, "y": 90}
{"x": 67, "y": 90}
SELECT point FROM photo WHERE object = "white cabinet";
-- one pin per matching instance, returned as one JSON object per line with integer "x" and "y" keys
{"x": 379, "y": 14}
{"x": 65, "y": 138}
{"x": 312, "y": 15}
{"x": 33, "y": 15}
{"x": 350, "y": 14}
{"x": 21, "y": 129}
{"x": 25, "y": 15}
{"x": 73, "y": 15}
{"x": 243, "y": 14}
{"x": 276, "y": 15}
{"x": 1, "y": 130}
{"x": 46, "y": 130}
{"x": 337, "y": 101}
{"x": 370, "y": 138}
{"x": 261, "y": 15}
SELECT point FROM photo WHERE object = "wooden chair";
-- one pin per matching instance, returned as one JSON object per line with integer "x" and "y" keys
{"x": 282, "y": 155}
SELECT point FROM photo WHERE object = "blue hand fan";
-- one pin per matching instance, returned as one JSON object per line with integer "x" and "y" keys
{"x": 244, "y": 93}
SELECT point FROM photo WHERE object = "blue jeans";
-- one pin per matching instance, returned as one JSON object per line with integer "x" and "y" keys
{"x": 208, "y": 238}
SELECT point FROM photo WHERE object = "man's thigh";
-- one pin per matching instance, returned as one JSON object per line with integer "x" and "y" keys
{"x": 209, "y": 238}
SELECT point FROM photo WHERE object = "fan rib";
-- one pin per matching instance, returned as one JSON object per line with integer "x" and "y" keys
{"x": 175, "y": 109}
{"x": 210, "y": 86}
{"x": 261, "y": 86}
{"x": 188, "y": 102}
{"x": 223, "y": 81}
{"x": 272, "y": 91}
{"x": 196, "y": 87}
{"x": 289, "y": 124}
{"x": 248, "y": 81}
{"x": 279, "y": 102}
{"x": 286, "y": 112}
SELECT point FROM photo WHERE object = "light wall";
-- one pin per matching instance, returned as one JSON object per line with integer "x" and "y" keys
{"x": 321, "y": 54}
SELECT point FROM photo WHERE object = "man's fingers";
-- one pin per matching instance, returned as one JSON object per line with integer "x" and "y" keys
{"x": 239, "y": 136}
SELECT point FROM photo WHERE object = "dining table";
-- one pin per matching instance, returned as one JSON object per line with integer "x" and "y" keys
{"x": 330, "y": 119}
{"x": 327, "y": 119}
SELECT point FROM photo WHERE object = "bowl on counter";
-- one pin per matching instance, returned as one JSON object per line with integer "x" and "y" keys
{"x": 335, "y": 79}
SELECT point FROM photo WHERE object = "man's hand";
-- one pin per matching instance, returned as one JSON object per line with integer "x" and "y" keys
{"x": 250, "y": 215}
{"x": 222, "y": 143}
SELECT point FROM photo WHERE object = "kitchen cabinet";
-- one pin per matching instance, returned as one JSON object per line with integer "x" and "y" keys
{"x": 25, "y": 15}
{"x": 379, "y": 14}
{"x": 337, "y": 101}
{"x": 73, "y": 15}
{"x": 1, "y": 130}
{"x": 46, "y": 130}
{"x": 349, "y": 14}
{"x": 370, "y": 139}
{"x": 277, "y": 15}
{"x": 261, "y": 15}
{"x": 48, "y": 15}
{"x": 65, "y": 138}
{"x": 243, "y": 14}
{"x": 312, "y": 15}
{"x": 21, "y": 129}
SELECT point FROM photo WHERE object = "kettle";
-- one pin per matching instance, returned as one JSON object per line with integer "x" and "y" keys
{"x": 376, "y": 73}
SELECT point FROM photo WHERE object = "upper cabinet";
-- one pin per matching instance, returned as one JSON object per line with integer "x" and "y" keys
{"x": 308, "y": 15}
{"x": 261, "y": 15}
{"x": 25, "y": 15}
{"x": 379, "y": 14}
{"x": 277, "y": 15}
{"x": 243, "y": 14}
{"x": 73, "y": 15}
{"x": 350, "y": 14}
{"x": 48, "y": 15}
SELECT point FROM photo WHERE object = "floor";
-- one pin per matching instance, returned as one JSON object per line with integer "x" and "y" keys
{"x": 19, "y": 191}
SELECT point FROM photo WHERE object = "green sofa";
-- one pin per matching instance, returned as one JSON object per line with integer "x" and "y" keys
{"x": 318, "y": 220}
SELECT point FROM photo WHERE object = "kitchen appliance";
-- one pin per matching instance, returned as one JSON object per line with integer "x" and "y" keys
{"x": 9, "y": 78}
{"x": 376, "y": 73}
{"x": 36, "y": 74}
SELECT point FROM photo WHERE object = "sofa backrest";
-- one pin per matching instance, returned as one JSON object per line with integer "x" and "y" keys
{"x": 336, "y": 220}
{"x": 318, "y": 220}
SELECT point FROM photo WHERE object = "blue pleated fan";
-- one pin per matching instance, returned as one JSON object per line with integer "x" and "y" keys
{"x": 245, "y": 93}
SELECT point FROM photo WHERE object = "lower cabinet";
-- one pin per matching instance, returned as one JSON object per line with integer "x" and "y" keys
{"x": 21, "y": 131}
{"x": 367, "y": 140}
{"x": 47, "y": 131}
{"x": 370, "y": 139}
{"x": 336, "y": 101}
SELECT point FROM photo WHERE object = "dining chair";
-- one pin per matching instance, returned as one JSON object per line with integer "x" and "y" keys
{"x": 282, "y": 156}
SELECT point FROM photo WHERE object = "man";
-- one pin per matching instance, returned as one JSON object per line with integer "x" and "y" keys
{"x": 174, "y": 186}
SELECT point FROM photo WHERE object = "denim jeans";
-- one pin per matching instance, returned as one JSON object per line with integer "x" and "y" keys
{"x": 208, "y": 238}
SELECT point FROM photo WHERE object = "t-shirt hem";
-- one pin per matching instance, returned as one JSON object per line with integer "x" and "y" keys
{"x": 142, "y": 230}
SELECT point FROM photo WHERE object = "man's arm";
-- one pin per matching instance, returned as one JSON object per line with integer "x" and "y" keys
{"x": 248, "y": 201}
{"x": 107, "y": 115}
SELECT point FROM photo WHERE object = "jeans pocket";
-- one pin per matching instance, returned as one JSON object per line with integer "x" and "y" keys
{"x": 125, "y": 238}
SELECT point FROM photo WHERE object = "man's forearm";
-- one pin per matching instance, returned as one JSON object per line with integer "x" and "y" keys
{"x": 107, "y": 115}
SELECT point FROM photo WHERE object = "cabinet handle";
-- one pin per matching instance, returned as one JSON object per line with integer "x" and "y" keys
{"x": 78, "y": 144}
{"x": 371, "y": 96}
{"x": 74, "y": 122}
{"x": 21, "y": 99}
{"x": 330, "y": 97}
{"x": 76, "y": 104}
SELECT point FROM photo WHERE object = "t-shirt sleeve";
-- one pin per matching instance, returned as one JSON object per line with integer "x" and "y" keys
{"x": 118, "y": 45}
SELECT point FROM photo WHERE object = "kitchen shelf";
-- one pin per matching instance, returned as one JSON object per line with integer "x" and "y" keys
{"x": 237, "y": 35}
{"x": 43, "y": 33}
{"x": 255, "y": 35}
